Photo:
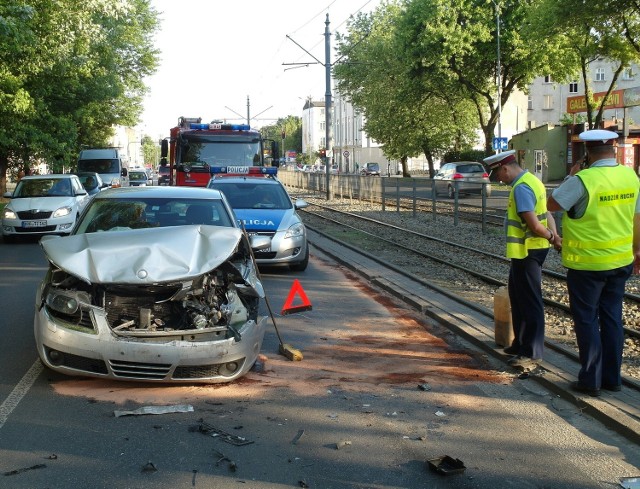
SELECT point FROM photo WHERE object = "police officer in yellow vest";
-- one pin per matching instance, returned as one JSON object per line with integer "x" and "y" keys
{"x": 600, "y": 245}
{"x": 530, "y": 230}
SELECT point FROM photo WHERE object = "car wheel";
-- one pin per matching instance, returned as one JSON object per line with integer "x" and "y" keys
{"x": 451, "y": 193}
{"x": 301, "y": 266}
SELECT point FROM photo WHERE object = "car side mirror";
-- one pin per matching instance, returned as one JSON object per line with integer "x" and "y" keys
{"x": 124, "y": 172}
{"x": 81, "y": 192}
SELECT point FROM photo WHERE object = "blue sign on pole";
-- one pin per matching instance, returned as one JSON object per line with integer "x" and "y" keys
{"x": 500, "y": 143}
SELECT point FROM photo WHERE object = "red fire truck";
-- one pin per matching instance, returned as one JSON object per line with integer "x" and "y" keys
{"x": 194, "y": 148}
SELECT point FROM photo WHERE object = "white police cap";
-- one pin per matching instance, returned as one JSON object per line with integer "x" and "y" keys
{"x": 499, "y": 159}
{"x": 598, "y": 137}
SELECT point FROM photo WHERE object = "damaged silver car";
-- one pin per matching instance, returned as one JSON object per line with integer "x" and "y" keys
{"x": 154, "y": 284}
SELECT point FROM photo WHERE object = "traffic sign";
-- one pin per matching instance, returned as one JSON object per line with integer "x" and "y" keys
{"x": 500, "y": 143}
{"x": 345, "y": 154}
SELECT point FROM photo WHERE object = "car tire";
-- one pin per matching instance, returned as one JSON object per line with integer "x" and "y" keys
{"x": 301, "y": 266}
{"x": 451, "y": 193}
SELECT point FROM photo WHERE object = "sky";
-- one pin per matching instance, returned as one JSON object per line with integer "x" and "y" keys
{"x": 221, "y": 59}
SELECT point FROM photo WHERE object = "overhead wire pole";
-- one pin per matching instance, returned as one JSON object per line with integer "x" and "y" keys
{"x": 327, "y": 102}
{"x": 498, "y": 78}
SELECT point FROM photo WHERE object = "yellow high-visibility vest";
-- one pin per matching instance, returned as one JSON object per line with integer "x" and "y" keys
{"x": 602, "y": 238}
{"x": 520, "y": 239}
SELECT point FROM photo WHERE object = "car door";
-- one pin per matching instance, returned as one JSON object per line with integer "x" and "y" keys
{"x": 440, "y": 179}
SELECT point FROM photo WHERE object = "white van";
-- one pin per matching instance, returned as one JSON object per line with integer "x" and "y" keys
{"x": 108, "y": 163}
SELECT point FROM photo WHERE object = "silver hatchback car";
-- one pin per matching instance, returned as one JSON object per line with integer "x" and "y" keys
{"x": 467, "y": 177}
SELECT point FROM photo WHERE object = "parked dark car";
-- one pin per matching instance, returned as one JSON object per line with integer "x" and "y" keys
{"x": 164, "y": 175}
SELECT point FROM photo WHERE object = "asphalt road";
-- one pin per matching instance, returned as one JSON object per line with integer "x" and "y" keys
{"x": 380, "y": 390}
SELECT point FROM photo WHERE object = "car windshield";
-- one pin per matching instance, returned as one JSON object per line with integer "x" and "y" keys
{"x": 250, "y": 195}
{"x": 43, "y": 187}
{"x": 137, "y": 175}
{"x": 373, "y": 167}
{"x": 220, "y": 153}
{"x": 108, "y": 165}
{"x": 123, "y": 214}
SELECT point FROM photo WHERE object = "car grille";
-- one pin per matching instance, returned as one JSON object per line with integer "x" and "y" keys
{"x": 27, "y": 215}
{"x": 197, "y": 371}
{"x": 44, "y": 229}
{"x": 136, "y": 370}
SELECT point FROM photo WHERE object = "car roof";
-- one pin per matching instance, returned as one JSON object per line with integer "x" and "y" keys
{"x": 160, "y": 192}
{"x": 49, "y": 176}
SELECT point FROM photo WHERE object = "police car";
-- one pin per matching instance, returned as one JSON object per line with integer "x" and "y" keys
{"x": 263, "y": 206}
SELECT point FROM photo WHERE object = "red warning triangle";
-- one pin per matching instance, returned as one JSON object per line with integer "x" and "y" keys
{"x": 288, "y": 307}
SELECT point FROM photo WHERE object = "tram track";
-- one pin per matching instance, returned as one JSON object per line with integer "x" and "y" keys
{"x": 395, "y": 239}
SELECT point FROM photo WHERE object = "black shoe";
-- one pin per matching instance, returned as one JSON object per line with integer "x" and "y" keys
{"x": 523, "y": 362}
{"x": 578, "y": 387}
{"x": 612, "y": 388}
{"x": 511, "y": 350}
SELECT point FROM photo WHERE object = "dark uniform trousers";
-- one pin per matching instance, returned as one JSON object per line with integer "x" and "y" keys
{"x": 527, "y": 307}
{"x": 596, "y": 306}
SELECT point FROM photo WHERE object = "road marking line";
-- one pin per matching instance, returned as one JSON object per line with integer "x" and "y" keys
{"x": 19, "y": 391}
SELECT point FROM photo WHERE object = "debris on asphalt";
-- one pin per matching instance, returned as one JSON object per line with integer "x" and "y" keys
{"x": 342, "y": 444}
{"x": 178, "y": 408}
{"x": 446, "y": 465}
{"x": 25, "y": 469}
{"x": 424, "y": 387}
{"x": 149, "y": 467}
{"x": 222, "y": 457}
{"x": 207, "y": 429}
{"x": 297, "y": 437}
{"x": 302, "y": 483}
{"x": 439, "y": 413}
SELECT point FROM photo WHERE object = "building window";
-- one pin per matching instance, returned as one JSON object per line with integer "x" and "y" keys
{"x": 530, "y": 103}
{"x": 600, "y": 74}
{"x": 573, "y": 87}
{"x": 322, "y": 143}
{"x": 322, "y": 126}
{"x": 322, "y": 111}
{"x": 548, "y": 102}
{"x": 547, "y": 79}
{"x": 628, "y": 74}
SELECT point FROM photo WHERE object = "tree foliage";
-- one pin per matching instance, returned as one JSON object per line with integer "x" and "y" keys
{"x": 69, "y": 71}
{"x": 589, "y": 31}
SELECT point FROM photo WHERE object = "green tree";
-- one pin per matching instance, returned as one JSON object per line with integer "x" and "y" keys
{"x": 69, "y": 71}
{"x": 406, "y": 116}
{"x": 454, "y": 42}
{"x": 291, "y": 126}
{"x": 150, "y": 151}
{"x": 587, "y": 32}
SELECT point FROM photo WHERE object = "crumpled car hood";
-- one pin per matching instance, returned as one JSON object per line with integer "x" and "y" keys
{"x": 143, "y": 256}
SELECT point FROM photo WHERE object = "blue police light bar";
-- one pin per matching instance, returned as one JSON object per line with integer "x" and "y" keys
{"x": 219, "y": 127}
{"x": 244, "y": 170}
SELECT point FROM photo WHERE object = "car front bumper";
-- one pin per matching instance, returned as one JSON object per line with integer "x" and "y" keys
{"x": 101, "y": 353}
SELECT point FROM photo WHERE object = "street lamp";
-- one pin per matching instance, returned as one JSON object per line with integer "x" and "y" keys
{"x": 498, "y": 77}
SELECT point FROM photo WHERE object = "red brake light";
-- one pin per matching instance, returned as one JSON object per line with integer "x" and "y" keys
{"x": 485, "y": 175}
{"x": 457, "y": 176}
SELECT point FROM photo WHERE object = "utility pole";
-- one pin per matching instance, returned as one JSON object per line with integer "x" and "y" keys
{"x": 498, "y": 79}
{"x": 327, "y": 102}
